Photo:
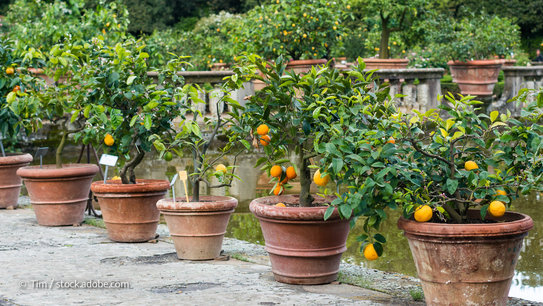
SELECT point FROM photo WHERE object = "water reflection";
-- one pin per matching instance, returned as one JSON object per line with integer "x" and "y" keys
{"x": 528, "y": 280}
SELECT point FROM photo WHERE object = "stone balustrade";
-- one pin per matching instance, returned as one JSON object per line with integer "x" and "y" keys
{"x": 421, "y": 86}
{"x": 515, "y": 79}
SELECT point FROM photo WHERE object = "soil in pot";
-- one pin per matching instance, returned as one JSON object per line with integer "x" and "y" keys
{"x": 471, "y": 264}
{"x": 197, "y": 228}
{"x": 10, "y": 182}
{"x": 303, "y": 248}
{"x": 58, "y": 195}
{"x": 129, "y": 210}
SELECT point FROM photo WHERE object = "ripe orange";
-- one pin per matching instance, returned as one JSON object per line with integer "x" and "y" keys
{"x": 370, "y": 253}
{"x": 291, "y": 173}
{"x": 10, "y": 70}
{"x": 496, "y": 208}
{"x": 501, "y": 192}
{"x": 321, "y": 180}
{"x": 16, "y": 88}
{"x": 280, "y": 205}
{"x": 108, "y": 140}
{"x": 391, "y": 140}
{"x": 220, "y": 168}
{"x": 471, "y": 165}
{"x": 265, "y": 140}
{"x": 278, "y": 189}
{"x": 423, "y": 213}
{"x": 262, "y": 130}
{"x": 276, "y": 171}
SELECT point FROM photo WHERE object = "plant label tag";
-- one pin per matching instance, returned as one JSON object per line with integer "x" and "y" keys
{"x": 108, "y": 160}
{"x": 40, "y": 152}
{"x": 174, "y": 179}
{"x": 183, "y": 177}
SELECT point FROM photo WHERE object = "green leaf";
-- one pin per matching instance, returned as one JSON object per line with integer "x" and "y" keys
{"x": 345, "y": 210}
{"x": 246, "y": 144}
{"x": 494, "y": 115}
{"x": 452, "y": 185}
{"x": 11, "y": 97}
{"x": 148, "y": 122}
{"x": 337, "y": 164}
{"x": 328, "y": 212}
{"x": 130, "y": 79}
{"x": 380, "y": 238}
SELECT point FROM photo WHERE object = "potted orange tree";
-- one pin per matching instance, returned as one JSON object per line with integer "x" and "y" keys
{"x": 290, "y": 119}
{"x": 198, "y": 223}
{"x": 11, "y": 82}
{"x": 471, "y": 44}
{"x": 303, "y": 31}
{"x": 124, "y": 107}
{"x": 59, "y": 192}
{"x": 457, "y": 181}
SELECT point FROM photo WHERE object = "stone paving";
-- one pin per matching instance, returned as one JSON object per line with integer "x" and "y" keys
{"x": 42, "y": 265}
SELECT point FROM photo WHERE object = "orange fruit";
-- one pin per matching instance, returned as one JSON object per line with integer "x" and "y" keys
{"x": 391, "y": 140}
{"x": 262, "y": 130}
{"x": 10, "y": 70}
{"x": 265, "y": 140}
{"x": 16, "y": 88}
{"x": 501, "y": 192}
{"x": 496, "y": 208}
{"x": 291, "y": 173}
{"x": 276, "y": 171}
{"x": 370, "y": 253}
{"x": 423, "y": 213}
{"x": 168, "y": 156}
{"x": 471, "y": 165}
{"x": 108, "y": 140}
{"x": 220, "y": 168}
{"x": 321, "y": 180}
{"x": 280, "y": 205}
{"x": 278, "y": 189}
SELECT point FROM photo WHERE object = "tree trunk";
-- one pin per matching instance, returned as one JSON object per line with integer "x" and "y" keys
{"x": 306, "y": 199}
{"x": 196, "y": 181}
{"x": 384, "y": 52}
{"x": 60, "y": 148}
{"x": 127, "y": 174}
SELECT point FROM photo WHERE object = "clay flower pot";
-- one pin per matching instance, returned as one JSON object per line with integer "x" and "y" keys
{"x": 198, "y": 228}
{"x": 303, "y": 248}
{"x": 129, "y": 210}
{"x": 10, "y": 182}
{"x": 476, "y": 78}
{"x": 467, "y": 264}
{"x": 386, "y": 63}
{"x": 304, "y": 66}
{"x": 58, "y": 195}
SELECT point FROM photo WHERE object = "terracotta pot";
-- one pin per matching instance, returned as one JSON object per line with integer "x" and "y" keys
{"x": 509, "y": 62}
{"x": 129, "y": 210}
{"x": 303, "y": 248}
{"x": 467, "y": 264}
{"x": 386, "y": 63}
{"x": 476, "y": 78}
{"x": 198, "y": 228}
{"x": 58, "y": 195}
{"x": 304, "y": 66}
{"x": 10, "y": 182}
{"x": 220, "y": 66}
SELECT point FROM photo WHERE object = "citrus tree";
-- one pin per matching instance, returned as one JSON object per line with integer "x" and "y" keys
{"x": 294, "y": 28}
{"x": 124, "y": 105}
{"x": 469, "y": 159}
{"x": 191, "y": 135}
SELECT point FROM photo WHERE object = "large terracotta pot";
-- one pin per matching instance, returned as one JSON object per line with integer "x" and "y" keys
{"x": 386, "y": 63}
{"x": 467, "y": 264}
{"x": 10, "y": 182}
{"x": 198, "y": 228}
{"x": 304, "y": 66}
{"x": 129, "y": 210}
{"x": 477, "y": 77}
{"x": 303, "y": 248}
{"x": 58, "y": 195}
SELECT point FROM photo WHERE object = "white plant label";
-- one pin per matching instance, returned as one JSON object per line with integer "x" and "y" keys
{"x": 108, "y": 160}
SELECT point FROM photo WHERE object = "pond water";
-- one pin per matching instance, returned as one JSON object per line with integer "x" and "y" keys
{"x": 527, "y": 282}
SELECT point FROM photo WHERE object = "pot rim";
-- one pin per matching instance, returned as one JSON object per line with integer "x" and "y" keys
{"x": 486, "y": 62}
{"x": 15, "y": 158}
{"x": 386, "y": 60}
{"x": 51, "y": 171}
{"x": 263, "y": 208}
{"x": 307, "y": 62}
{"x": 207, "y": 203}
{"x": 141, "y": 186}
{"x": 513, "y": 223}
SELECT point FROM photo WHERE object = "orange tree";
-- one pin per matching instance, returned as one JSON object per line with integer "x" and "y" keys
{"x": 298, "y": 116}
{"x": 124, "y": 105}
{"x": 470, "y": 160}
{"x": 294, "y": 28}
